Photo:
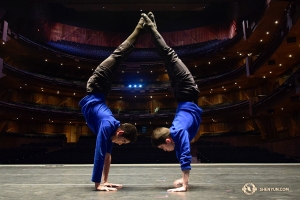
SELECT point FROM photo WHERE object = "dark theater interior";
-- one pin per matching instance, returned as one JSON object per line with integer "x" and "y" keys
{"x": 244, "y": 56}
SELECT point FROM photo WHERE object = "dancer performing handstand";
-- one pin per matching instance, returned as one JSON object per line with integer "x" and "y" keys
{"x": 99, "y": 117}
{"x": 188, "y": 115}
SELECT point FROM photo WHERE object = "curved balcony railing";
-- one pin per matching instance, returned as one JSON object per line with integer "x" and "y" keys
{"x": 240, "y": 106}
{"x": 39, "y": 108}
{"x": 9, "y": 69}
{"x": 71, "y": 112}
{"x": 275, "y": 42}
{"x": 278, "y": 93}
{"x": 154, "y": 87}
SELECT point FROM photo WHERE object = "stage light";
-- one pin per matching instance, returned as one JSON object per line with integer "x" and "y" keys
{"x": 135, "y": 86}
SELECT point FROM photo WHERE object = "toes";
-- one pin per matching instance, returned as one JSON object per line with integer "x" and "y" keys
{"x": 151, "y": 16}
{"x": 142, "y": 21}
{"x": 146, "y": 18}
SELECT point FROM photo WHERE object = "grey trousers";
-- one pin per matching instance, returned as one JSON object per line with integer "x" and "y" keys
{"x": 183, "y": 85}
{"x": 100, "y": 81}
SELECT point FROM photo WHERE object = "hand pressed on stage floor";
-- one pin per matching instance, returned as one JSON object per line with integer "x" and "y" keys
{"x": 179, "y": 186}
{"x": 113, "y": 185}
{"x": 180, "y": 189}
{"x": 182, "y": 183}
{"x": 100, "y": 187}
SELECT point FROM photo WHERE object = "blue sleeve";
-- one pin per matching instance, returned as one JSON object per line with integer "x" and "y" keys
{"x": 103, "y": 146}
{"x": 183, "y": 149}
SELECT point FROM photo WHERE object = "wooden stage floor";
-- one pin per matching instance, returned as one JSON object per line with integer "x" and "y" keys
{"x": 142, "y": 182}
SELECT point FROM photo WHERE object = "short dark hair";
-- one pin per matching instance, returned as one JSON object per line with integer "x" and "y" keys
{"x": 159, "y": 136}
{"x": 130, "y": 132}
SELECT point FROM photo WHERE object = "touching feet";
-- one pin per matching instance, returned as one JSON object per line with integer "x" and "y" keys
{"x": 149, "y": 21}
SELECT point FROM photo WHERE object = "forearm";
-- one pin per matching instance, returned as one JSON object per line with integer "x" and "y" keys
{"x": 106, "y": 168}
{"x": 185, "y": 178}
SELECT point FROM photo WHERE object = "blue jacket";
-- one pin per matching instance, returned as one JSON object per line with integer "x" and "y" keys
{"x": 184, "y": 128}
{"x": 102, "y": 122}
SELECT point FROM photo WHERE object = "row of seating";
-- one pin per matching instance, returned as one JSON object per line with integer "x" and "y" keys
{"x": 208, "y": 152}
{"x": 82, "y": 152}
{"x": 142, "y": 151}
{"x": 142, "y": 54}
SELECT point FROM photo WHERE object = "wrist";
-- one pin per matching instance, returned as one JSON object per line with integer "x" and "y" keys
{"x": 185, "y": 186}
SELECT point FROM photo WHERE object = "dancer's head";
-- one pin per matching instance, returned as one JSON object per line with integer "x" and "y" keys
{"x": 162, "y": 139}
{"x": 125, "y": 134}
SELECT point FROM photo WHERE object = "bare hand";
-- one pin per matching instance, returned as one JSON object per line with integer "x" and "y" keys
{"x": 104, "y": 188}
{"x": 112, "y": 185}
{"x": 178, "y": 183}
{"x": 180, "y": 189}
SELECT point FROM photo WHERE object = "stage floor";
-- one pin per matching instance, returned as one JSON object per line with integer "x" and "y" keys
{"x": 207, "y": 181}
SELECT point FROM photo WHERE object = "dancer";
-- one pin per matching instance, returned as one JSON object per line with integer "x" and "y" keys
{"x": 99, "y": 117}
{"x": 188, "y": 115}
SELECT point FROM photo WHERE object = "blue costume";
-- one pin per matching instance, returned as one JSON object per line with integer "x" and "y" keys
{"x": 96, "y": 113}
{"x": 184, "y": 128}
{"x": 102, "y": 122}
{"x": 185, "y": 90}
